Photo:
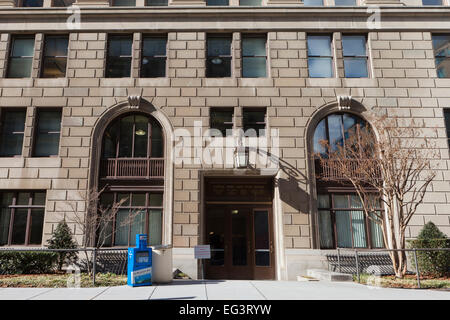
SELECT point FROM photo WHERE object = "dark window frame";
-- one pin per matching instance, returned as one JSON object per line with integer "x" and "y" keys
{"x": 332, "y": 209}
{"x": 331, "y": 57}
{"x": 109, "y": 57}
{"x": 445, "y": 57}
{"x": 20, "y": 3}
{"x": 227, "y": 57}
{"x": 251, "y": 125}
{"x": 13, "y": 206}
{"x": 44, "y": 56}
{"x": 2, "y": 116}
{"x": 447, "y": 119}
{"x": 229, "y": 125}
{"x": 128, "y": 205}
{"x": 113, "y": 4}
{"x": 11, "y": 50}
{"x": 365, "y": 56}
{"x": 36, "y": 132}
{"x": 64, "y": 5}
{"x": 257, "y": 36}
{"x": 164, "y": 57}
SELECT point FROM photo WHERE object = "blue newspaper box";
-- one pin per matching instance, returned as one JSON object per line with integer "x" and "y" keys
{"x": 140, "y": 263}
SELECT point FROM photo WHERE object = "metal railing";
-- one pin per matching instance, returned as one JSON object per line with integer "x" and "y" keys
{"x": 361, "y": 261}
{"x": 100, "y": 258}
{"x": 127, "y": 168}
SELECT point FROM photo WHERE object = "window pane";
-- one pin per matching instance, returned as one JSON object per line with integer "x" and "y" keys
{"x": 345, "y": 2}
{"x": 54, "y": 67}
{"x": 319, "y": 45}
{"x": 32, "y": 3}
{"x": 5, "y": 216}
{"x": 358, "y": 229}
{"x": 125, "y": 197}
{"x": 140, "y": 136}
{"x": 432, "y": 2}
{"x": 443, "y": 67}
{"x": 355, "y": 67}
{"x": 254, "y": 67}
{"x": 56, "y": 46}
{"x": 126, "y": 137}
{"x": 123, "y": 3}
{"x": 254, "y": 46}
{"x": 23, "y": 47}
{"x": 12, "y": 131}
{"x": 343, "y": 230}
{"x": 326, "y": 229}
{"x": 313, "y": 3}
{"x": 19, "y": 67}
{"x": 63, "y": 3}
{"x": 335, "y": 131}
{"x": 254, "y": 122}
{"x": 122, "y": 227}
{"x": 354, "y": 45}
{"x": 23, "y": 198}
{"x": 47, "y": 133}
{"x": 441, "y": 45}
{"x": 377, "y": 234}
{"x": 119, "y": 46}
{"x": 138, "y": 199}
{"x": 320, "y": 67}
{"x": 39, "y": 199}
{"x": 218, "y": 67}
{"x": 153, "y": 67}
{"x": 156, "y": 2}
{"x": 340, "y": 201}
{"x": 217, "y": 2}
{"x": 447, "y": 122}
{"x": 320, "y": 136}
{"x": 323, "y": 201}
{"x": 118, "y": 67}
{"x": 19, "y": 226}
{"x": 219, "y": 46}
{"x": 153, "y": 46}
{"x": 250, "y": 2}
{"x": 110, "y": 140}
{"x": 156, "y": 199}
{"x": 37, "y": 223}
{"x": 155, "y": 227}
{"x": 221, "y": 120}
{"x": 137, "y": 226}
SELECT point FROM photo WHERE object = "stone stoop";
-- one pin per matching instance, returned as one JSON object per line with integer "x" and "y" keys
{"x": 328, "y": 275}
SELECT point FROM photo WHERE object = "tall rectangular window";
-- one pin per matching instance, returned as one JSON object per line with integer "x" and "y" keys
{"x": 21, "y": 217}
{"x": 447, "y": 124}
{"x": 154, "y": 57}
{"x": 432, "y": 2}
{"x": 320, "y": 57}
{"x": 254, "y": 57}
{"x": 221, "y": 119}
{"x": 21, "y": 57}
{"x": 12, "y": 128}
{"x": 218, "y": 63}
{"x": 345, "y": 3}
{"x": 355, "y": 56}
{"x": 217, "y": 2}
{"x": 124, "y": 3}
{"x": 30, "y": 3}
{"x": 254, "y": 122}
{"x": 47, "y": 133}
{"x": 118, "y": 62}
{"x": 55, "y": 56}
{"x": 441, "y": 47}
{"x": 156, "y": 3}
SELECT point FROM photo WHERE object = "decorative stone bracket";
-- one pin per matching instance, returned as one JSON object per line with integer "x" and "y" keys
{"x": 344, "y": 102}
{"x": 134, "y": 102}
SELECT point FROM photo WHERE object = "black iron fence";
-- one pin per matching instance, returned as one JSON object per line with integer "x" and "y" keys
{"x": 376, "y": 261}
{"x": 113, "y": 260}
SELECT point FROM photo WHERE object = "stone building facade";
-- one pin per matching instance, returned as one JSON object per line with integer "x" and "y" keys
{"x": 402, "y": 80}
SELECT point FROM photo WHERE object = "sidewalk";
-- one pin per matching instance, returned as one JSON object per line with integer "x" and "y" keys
{"x": 228, "y": 290}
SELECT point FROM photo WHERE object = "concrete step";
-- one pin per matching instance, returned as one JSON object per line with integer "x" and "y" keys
{"x": 306, "y": 278}
{"x": 328, "y": 275}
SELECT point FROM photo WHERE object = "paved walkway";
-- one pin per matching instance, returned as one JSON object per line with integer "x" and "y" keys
{"x": 228, "y": 290}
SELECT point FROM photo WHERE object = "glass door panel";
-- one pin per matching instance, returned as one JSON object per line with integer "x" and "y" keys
{"x": 216, "y": 236}
{"x": 239, "y": 237}
{"x": 262, "y": 245}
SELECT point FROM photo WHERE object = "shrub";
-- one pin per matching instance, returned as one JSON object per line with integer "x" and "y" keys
{"x": 27, "y": 262}
{"x": 62, "y": 239}
{"x": 434, "y": 263}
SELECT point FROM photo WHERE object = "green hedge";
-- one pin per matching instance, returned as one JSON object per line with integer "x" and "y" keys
{"x": 27, "y": 262}
{"x": 434, "y": 263}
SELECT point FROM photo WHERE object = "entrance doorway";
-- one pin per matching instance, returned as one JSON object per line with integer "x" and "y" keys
{"x": 240, "y": 233}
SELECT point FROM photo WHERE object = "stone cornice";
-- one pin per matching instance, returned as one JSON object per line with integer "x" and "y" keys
{"x": 230, "y": 18}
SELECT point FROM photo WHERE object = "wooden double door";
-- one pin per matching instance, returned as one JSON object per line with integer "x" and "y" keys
{"x": 241, "y": 240}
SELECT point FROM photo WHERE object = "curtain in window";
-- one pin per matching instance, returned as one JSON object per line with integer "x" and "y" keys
{"x": 4, "y": 225}
{"x": 343, "y": 230}
{"x": 121, "y": 235}
{"x": 376, "y": 234}
{"x": 358, "y": 223}
{"x": 137, "y": 226}
{"x": 154, "y": 227}
{"x": 326, "y": 229}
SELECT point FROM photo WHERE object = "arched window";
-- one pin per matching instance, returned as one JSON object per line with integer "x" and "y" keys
{"x": 342, "y": 222}
{"x": 133, "y": 148}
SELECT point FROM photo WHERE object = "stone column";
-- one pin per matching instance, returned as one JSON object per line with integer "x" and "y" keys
{"x": 92, "y": 3}
{"x": 7, "y": 3}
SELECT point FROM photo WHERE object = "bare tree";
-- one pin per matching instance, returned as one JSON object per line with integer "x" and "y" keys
{"x": 96, "y": 223}
{"x": 393, "y": 167}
